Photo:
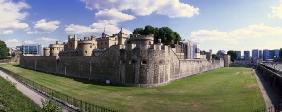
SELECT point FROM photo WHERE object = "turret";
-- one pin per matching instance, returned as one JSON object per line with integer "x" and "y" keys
{"x": 56, "y": 48}
{"x": 141, "y": 40}
{"x": 122, "y": 37}
{"x": 46, "y": 51}
{"x": 72, "y": 43}
{"x": 86, "y": 46}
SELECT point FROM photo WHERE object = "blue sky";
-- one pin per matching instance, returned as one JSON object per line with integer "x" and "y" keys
{"x": 214, "y": 24}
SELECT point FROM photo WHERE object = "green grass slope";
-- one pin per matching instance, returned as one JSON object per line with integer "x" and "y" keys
{"x": 12, "y": 100}
{"x": 231, "y": 89}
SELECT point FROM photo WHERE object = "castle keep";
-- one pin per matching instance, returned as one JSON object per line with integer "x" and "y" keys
{"x": 120, "y": 59}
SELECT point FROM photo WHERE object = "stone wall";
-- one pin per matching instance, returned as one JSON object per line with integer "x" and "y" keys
{"x": 98, "y": 68}
{"x": 147, "y": 66}
{"x": 40, "y": 63}
{"x": 271, "y": 76}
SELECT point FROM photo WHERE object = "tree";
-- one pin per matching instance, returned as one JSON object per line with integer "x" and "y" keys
{"x": 232, "y": 55}
{"x": 216, "y": 57}
{"x": 4, "y": 50}
{"x": 149, "y": 30}
{"x": 138, "y": 31}
{"x": 166, "y": 35}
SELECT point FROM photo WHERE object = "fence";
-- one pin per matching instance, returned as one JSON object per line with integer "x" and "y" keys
{"x": 69, "y": 101}
{"x": 5, "y": 60}
{"x": 276, "y": 108}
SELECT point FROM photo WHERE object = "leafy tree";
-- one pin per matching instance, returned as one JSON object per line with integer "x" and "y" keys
{"x": 232, "y": 55}
{"x": 4, "y": 51}
{"x": 166, "y": 35}
{"x": 149, "y": 30}
{"x": 138, "y": 31}
{"x": 214, "y": 56}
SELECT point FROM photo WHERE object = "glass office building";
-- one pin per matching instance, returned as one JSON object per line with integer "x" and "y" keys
{"x": 30, "y": 49}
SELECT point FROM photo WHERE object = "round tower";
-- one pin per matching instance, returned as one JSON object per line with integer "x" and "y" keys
{"x": 86, "y": 46}
{"x": 46, "y": 51}
{"x": 56, "y": 48}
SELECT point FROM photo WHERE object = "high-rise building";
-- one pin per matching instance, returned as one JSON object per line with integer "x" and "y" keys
{"x": 275, "y": 53}
{"x": 255, "y": 54}
{"x": 30, "y": 49}
{"x": 260, "y": 54}
{"x": 266, "y": 54}
{"x": 238, "y": 55}
{"x": 270, "y": 54}
{"x": 191, "y": 50}
{"x": 246, "y": 55}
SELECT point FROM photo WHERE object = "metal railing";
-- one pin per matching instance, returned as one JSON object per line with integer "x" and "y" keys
{"x": 276, "y": 108}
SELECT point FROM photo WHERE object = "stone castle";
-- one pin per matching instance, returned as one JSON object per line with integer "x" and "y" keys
{"x": 133, "y": 60}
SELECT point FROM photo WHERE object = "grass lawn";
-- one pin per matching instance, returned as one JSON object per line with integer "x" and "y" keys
{"x": 12, "y": 100}
{"x": 231, "y": 89}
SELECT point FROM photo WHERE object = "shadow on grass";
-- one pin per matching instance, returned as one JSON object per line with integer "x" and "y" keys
{"x": 83, "y": 80}
{"x": 241, "y": 65}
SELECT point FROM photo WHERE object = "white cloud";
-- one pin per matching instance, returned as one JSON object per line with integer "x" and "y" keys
{"x": 13, "y": 16}
{"x": 254, "y": 36}
{"x": 46, "y": 26}
{"x": 97, "y": 27}
{"x": 15, "y": 42}
{"x": 170, "y": 8}
{"x": 7, "y": 32}
{"x": 277, "y": 11}
{"x": 110, "y": 13}
{"x": 113, "y": 16}
{"x": 175, "y": 9}
{"x": 78, "y": 29}
{"x": 44, "y": 41}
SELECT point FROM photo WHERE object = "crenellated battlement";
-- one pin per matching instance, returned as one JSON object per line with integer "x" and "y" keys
{"x": 136, "y": 61}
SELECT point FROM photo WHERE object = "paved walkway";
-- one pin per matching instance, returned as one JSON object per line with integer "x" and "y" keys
{"x": 271, "y": 98}
{"x": 30, "y": 93}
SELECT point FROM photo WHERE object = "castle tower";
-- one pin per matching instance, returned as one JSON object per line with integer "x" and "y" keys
{"x": 104, "y": 35}
{"x": 56, "y": 48}
{"x": 46, "y": 51}
{"x": 227, "y": 60}
{"x": 72, "y": 43}
{"x": 122, "y": 37}
{"x": 86, "y": 46}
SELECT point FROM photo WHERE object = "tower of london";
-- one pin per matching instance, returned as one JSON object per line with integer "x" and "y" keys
{"x": 123, "y": 59}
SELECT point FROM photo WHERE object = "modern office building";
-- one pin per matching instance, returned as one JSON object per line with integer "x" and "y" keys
{"x": 255, "y": 54}
{"x": 30, "y": 49}
{"x": 275, "y": 53}
{"x": 246, "y": 55}
{"x": 238, "y": 55}
{"x": 260, "y": 54}
{"x": 270, "y": 54}
{"x": 266, "y": 54}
